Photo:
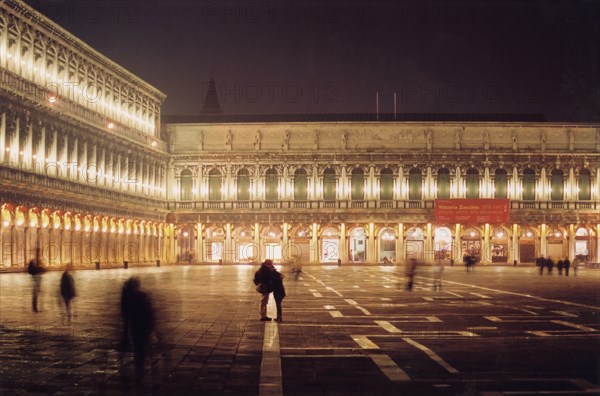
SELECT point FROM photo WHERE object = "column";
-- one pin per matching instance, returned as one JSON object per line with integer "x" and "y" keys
{"x": 486, "y": 250}
{"x": 543, "y": 244}
{"x": 513, "y": 252}
{"x": 200, "y": 243}
{"x": 400, "y": 244}
{"x": 227, "y": 257}
{"x": 429, "y": 255}
{"x": 343, "y": 254}
{"x": 256, "y": 240}
{"x": 457, "y": 248}
{"x": 28, "y": 146}
{"x": 314, "y": 241}
{"x": 571, "y": 253}
{"x": 286, "y": 253}
{"x": 371, "y": 255}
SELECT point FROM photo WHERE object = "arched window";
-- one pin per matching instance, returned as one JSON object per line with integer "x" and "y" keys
{"x": 243, "y": 185}
{"x": 329, "y": 182}
{"x": 215, "y": 185}
{"x": 300, "y": 185}
{"x": 557, "y": 185}
{"x": 443, "y": 183}
{"x": 358, "y": 185}
{"x": 528, "y": 184}
{"x": 585, "y": 183}
{"x": 271, "y": 184}
{"x": 186, "y": 185}
{"x": 414, "y": 184}
{"x": 472, "y": 183}
{"x": 501, "y": 184}
{"x": 386, "y": 185}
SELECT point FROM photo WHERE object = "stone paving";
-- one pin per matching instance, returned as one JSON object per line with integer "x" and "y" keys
{"x": 347, "y": 330}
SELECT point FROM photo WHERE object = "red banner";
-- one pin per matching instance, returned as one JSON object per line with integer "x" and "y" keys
{"x": 466, "y": 211}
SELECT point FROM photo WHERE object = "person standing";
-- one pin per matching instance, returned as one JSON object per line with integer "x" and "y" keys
{"x": 438, "y": 270}
{"x": 138, "y": 321}
{"x": 549, "y": 265}
{"x": 566, "y": 265}
{"x": 262, "y": 279}
{"x": 559, "y": 266}
{"x": 409, "y": 272}
{"x": 67, "y": 290}
{"x": 278, "y": 291}
{"x": 576, "y": 263}
{"x": 36, "y": 270}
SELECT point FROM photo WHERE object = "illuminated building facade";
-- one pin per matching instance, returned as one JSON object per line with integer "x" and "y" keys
{"x": 90, "y": 173}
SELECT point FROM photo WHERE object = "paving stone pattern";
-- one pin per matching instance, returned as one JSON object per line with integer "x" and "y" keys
{"x": 350, "y": 330}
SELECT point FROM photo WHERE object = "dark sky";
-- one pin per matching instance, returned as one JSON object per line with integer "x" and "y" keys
{"x": 333, "y": 56}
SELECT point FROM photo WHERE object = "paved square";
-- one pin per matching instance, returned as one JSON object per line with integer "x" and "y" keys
{"x": 347, "y": 330}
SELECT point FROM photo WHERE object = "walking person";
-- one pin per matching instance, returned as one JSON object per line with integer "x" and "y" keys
{"x": 67, "y": 290}
{"x": 566, "y": 265}
{"x": 438, "y": 270}
{"x": 138, "y": 322}
{"x": 264, "y": 285}
{"x": 576, "y": 263}
{"x": 541, "y": 263}
{"x": 278, "y": 291}
{"x": 549, "y": 265}
{"x": 409, "y": 271}
{"x": 559, "y": 266}
{"x": 36, "y": 270}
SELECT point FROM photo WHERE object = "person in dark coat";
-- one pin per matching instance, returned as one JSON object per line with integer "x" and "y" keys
{"x": 566, "y": 265}
{"x": 67, "y": 290}
{"x": 541, "y": 263}
{"x": 36, "y": 270}
{"x": 559, "y": 266}
{"x": 278, "y": 291}
{"x": 549, "y": 265}
{"x": 263, "y": 277}
{"x": 138, "y": 322}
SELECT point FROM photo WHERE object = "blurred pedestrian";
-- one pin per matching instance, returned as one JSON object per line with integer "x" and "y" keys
{"x": 438, "y": 270}
{"x": 138, "y": 322}
{"x": 576, "y": 263}
{"x": 67, "y": 290}
{"x": 541, "y": 263}
{"x": 549, "y": 265}
{"x": 264, "y": 285}
{"x": 36, "y": 270}
{"x": 566, "y": 265}
{"x": 278, "y": 291}
{"x": 559, "y": 266}
{"x": 409, "y": 271}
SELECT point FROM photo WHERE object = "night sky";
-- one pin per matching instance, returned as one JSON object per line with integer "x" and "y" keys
{"x": 281, "y": 57}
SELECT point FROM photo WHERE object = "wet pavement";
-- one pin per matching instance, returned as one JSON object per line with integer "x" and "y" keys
{"x": 347, "y": 330}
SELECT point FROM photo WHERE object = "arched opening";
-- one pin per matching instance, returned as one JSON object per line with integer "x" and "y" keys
{"x": 528, "y": 184}
{"x": 527, "y": 250}
{"x": 386, "y": 185}
{"x": 243, "y": 185}
{"x": 558, "y": 185}
{"x": 443, "y": 183}
{"x": 215, "y": 185}
{"x": 501, "y": 183}
{"x": 357, "y": 248}
{"x": 472, "y": 183}
{"x": 300, "y": 185}
{"x": 442, "y": 243}
{"x": 582, "y": 244}
{"x": 246, "y": 250}
{"x": 329, "y": 184}
{"x": 357, "y": 185}
{"x": 299, "y": 244}
{"x": 499, "y": 245}
{"x": 557, "y": 244}
{"x": 330, "y": 245}
{"x": 414, "y": 243}
{"x": 187, "y": 184}
{"x": 585, "y": 185}
{"x": 215, "y": 238}
{"x": 471, "y": 243}
{"x": 186, "y": 236}
{"x": 387, "y": 246}
{"x": 415, "y": 184}
{"x": 271, "y": 184}
{"x": 272, "y": 243}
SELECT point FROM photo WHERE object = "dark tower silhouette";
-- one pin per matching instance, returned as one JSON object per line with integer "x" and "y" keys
{"x": 211, "y": 101}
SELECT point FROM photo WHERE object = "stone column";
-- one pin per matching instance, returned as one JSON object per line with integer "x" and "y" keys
{"x": 486, "y": 249}
{"x": 429, "y": 256}
{"x": 371, "y": 255}
{"x": 571, "y": 236}
{"x": 343, "y": 244}
{"x": 314, "y": 240}
{"x": 457, "y": 248}
{"x": 400, "y": 244}
{"x": 542, "y": 241}
{"x": 200, "y": 243}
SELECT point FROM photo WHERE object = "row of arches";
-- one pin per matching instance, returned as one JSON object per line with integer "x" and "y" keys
{"x": 445, "y": 184}
{"x": 62, "y": 238}
{"x": 384, "y": 243}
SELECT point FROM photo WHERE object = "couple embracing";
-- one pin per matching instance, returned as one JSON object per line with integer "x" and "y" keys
{"x": 269, "y": 280}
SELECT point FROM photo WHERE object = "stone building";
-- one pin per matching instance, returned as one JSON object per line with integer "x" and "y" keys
{"x": 90, "y": 172}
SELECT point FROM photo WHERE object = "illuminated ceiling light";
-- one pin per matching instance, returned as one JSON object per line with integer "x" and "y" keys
{"x": 32, "y": 224}
{"x": 21, "y": 152}
{"x": 500, "y": 234}
{"x": 34, "y": 156}
{"x": 52, "y": 99}
{"x": 56, "y": 225}
{"x": 45, "y": 225}
{"x": 557, "y": 234}
{"x": 111, "y": 125}
{"x": 5, "y": 223}
{"x": 528, "y": 233}
{"x": 67, "y": 227}
{"x": 8, "y": 149}
{"x": 242, "y": 233}
{"x": 186, "y": 234}
{"x": 154, "y": 143}
{"x": 87, "y": 229}
{"x": 472, "y": 234}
